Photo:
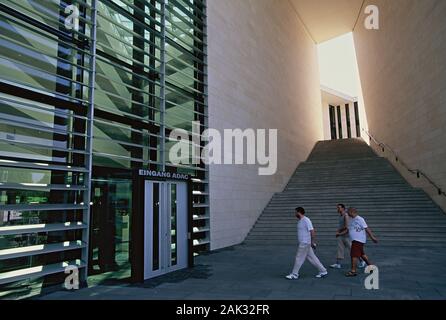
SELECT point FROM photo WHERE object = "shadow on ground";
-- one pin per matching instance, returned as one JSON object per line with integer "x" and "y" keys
{"x": 257, "y": 272}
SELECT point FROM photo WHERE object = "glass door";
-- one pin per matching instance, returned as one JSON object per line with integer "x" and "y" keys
{"x": 110, "y": 229}
{"x": 165, "y": 236}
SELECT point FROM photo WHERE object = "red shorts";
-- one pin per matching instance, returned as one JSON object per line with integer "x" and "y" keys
{"x": 357, "y": 250}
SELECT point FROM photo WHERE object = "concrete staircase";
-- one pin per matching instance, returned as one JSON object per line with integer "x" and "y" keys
{"x": 349, "y": 172}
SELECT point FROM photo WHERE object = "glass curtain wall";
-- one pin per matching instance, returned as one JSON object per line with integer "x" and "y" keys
{"x": 150, "y": 63}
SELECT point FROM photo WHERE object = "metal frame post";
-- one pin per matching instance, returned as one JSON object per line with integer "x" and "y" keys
{"x": 89, "y": 144}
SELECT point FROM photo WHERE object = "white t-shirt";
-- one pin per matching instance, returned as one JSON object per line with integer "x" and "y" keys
{"x": 357, "y": 228}
{"x": 304, "y": 226}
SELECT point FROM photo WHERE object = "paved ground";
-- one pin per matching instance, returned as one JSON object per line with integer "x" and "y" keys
{"x": 254, "y": 272}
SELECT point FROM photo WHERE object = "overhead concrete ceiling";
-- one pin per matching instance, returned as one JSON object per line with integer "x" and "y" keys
{"x": 327, "y": 19}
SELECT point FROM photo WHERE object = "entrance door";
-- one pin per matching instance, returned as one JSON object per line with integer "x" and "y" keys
{"x": 109, "y": 250}
{"x": 165, "y": 227}
{"x": 333, "y": 123}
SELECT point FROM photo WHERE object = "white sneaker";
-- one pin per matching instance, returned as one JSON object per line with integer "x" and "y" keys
{"x": 336, "y": 266}
{"x": 321, "y": 274}
{"x": 362, "y": 264}
{"x": 292, "y": 276}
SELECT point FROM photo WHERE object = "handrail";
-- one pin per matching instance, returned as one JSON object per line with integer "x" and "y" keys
{"x": 418, "y": 172}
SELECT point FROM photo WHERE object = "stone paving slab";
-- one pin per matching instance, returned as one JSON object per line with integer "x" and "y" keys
{"x": 257, "y": 272}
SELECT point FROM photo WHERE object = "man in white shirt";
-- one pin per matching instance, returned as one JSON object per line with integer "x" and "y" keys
{"x": 306, "y": 238}
{"x": 358, "y": 231}
{"x": 344, "y": 242}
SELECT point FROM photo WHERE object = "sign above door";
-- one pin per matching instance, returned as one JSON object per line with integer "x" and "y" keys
{"x": 162, "y": 174}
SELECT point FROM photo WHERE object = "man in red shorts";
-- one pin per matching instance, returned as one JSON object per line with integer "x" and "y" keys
{"x": 358, "y": 231}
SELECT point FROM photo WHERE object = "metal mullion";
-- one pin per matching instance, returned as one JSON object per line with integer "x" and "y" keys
{"x": 176, "y": 57}
{"x": 103, "y": 154}
{"x": 186, "y": 24}
{"x": 184, "y": 50}
{"x": 32, "y": 165}
{"x": 40, "y": 227}
{"x": 185, "y": 167}
{"x": 186, "y": 12}
{"x": 131, "y": 32}
{"x": 128, "y": 85}
{"x": 127, "y": 100}
{"x": 148, "y": 4}
{"x": 123, "y": 127}
{"x": 24, "y": 105}
{"x": 124, "y": 70}
{"x": 133, "y": 117}
{"x": 120, "y": 142}
{"x": 49, "y": 55}
{"x": 139, "y": 10}
{"x": 170, "y": 115}
{"x": 38, "y": 145}
{"x": 184, "y": 87}
{"x": 41, "y": 70}
{"x": 129, "y": 15}
{"x": 41, "y": 207}
{"x": 48, "y": 187}
{"x": 183, "y": 63}
{"x": 102, "y": 45}
{"x": 47, "y": 92}
{"x": 47, "y": 248}
{"x": 128, "y": 115}
{"x": 181, "y": 92}
{"x": 184, "y": 44}
{"x": 183, "y": 21}
{"x": 195, "y": 101}
{"x": 194, "y": 28}
{"x": 89, "y": 141}
{"x": 206, "y": 111}
{"x": 126, "y": 57}
{"x": 163, "y": 84}
{"x": 185, "y": 74}
{"x": 186, "y": 32}
{"x": 41, "y": 128}
{"x": 103, "y": 59}
{"x": 195, "y": 7}
{"x": 129, "y": 44}
{"x": 183, "y": 108}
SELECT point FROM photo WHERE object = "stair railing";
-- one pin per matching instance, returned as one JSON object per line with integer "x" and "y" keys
{"x": 419, "y": 173}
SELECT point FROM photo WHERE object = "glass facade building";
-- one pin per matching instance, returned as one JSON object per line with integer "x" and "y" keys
{"x": 85, "y": 100}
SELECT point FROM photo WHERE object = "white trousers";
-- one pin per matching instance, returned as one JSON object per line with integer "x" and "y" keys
{"x": 305, "y": 252}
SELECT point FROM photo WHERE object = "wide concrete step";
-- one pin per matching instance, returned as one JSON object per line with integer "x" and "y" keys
{"x": 345, "y": 173}
{"x": 328, "y": 243}
{"x": 349, "y": 171}
{"x": 312, "y": 208}
{"x": 333, "y": 227}
{"x": 394, "y": 236}
{"x": 351, "y": 193}
{"x": 328, "y": 187}
{"x": 369, "y": 215}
